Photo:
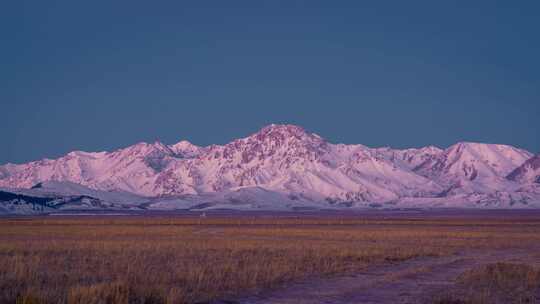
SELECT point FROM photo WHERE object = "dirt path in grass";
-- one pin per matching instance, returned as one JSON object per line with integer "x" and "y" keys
{"x": 412, "y": 281}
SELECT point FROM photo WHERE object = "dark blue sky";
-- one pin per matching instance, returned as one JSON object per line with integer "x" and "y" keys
{"x": 99, "y": 75}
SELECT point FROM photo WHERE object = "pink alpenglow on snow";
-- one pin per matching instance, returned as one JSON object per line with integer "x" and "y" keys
{"x": 285, "y": 167}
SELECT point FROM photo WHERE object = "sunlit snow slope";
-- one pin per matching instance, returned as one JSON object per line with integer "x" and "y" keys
{"x": 283, "y": 166}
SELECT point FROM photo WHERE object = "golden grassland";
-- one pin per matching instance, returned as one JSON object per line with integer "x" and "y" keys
{"x": 502, "y": 282}
{"x": 192, "y": 260}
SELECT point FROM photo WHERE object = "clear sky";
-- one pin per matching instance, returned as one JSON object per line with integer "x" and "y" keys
{"x": 100, "y": 75}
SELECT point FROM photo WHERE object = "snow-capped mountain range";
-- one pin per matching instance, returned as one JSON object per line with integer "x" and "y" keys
{"x": 281, "y": 167}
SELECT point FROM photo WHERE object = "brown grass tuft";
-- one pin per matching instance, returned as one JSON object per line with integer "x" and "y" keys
{"x": 99, "y": 294}
{"x": 496, "y": 283}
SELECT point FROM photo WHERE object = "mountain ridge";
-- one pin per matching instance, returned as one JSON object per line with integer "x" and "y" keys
{"x": 297, "y": 166}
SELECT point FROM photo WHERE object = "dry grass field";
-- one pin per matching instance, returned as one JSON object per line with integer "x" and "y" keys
{"x": 173, "y": 259}
{"x": 495, "y": 283}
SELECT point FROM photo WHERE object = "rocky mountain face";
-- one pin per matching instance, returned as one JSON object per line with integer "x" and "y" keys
{"x": 286, "y": 163}
{"x": 528, "y": 172}
{"x": 473, "y": 161}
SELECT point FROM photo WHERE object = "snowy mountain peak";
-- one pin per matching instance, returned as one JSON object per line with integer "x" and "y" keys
{"x": 144, "y": 148}
{"x": 279, "y": 141}
{"x": 410, "y": 158}
{"x": 185, "y": 149}
{"x": 183, "y": 144}
{"x": 284, "y": 132}
{"x": 467, "y": 161}
{"x": 85, "y": 154}
{"x": 431, "y": 150}
{"x": 500, "y": 158}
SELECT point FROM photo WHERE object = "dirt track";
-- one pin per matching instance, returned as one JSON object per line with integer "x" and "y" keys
{"x": 413, "y": 281}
